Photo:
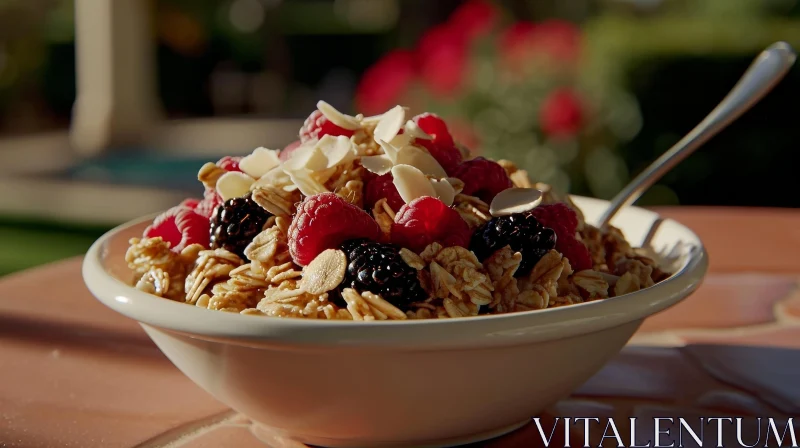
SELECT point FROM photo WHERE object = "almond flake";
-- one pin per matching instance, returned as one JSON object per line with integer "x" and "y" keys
{"x": 310, "y": 157}
{"x": 275, "y": 176}
{"x": 456, "y": 183}
{"x": 234, "y": 184}
{"x": 401, "y": 140}
{"x": 413, "y": 130}
{"x": 390, "y": 124}
{"x": 259, "y": 162}
{"x": 324, "y": 273}
{"x": 444, "y": 191}
{"x": 515, "y": 200}
{"x": 390, "y": 150}
{"x": 379, "y": 165}
{"x": 422, "y": 160}
{"x": 307, "y": 184}
{"x": 411, "y": 183}
{"x": 341, "y": 151}
{"x": 338, "y": 118}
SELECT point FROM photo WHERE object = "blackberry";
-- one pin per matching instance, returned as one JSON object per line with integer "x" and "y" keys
{"x": 235, "y": 223}
{"x": 379, "y": 268}
{"x": 522, "y": 232}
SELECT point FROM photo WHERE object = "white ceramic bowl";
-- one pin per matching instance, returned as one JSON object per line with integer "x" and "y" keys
{"x": 400, "y": 383}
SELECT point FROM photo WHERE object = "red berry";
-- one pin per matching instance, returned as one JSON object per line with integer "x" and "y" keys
{"x": 426, "y": 220}
{"x": 482, "y": 178}
{"x": 180, "y": 227}
{"x": 288, "y": 150}
{"x": 434, "y": 126}
{"x": 317, "y": 125}
{"x": 324, "y": 221}
{"x": 564, "y": 222}
{"x": 442, "y": 147}
{"x": 190, "y": 203}
{"x": 557, "y": 216}
{"x": 210, "y": 203}
{"x": 382, "y": 187}
{"x": 229, "y": 163}
{"x": 576, "y": 252}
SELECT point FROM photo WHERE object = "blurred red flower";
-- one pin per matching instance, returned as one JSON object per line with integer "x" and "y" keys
{"x": 557, "y": 40}
{"x": 561, "y": 114}
{"x": 385, "y": 83}
{"x": 442, "y": 56}
{"x": 474, "y": 18}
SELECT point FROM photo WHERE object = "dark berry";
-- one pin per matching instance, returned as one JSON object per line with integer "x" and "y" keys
{"x": 235, "y": 223}
{"x": 522, "y": 232}
{"x": 379, "y": 268}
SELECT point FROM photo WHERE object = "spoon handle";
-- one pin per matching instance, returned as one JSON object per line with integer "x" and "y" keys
{"x": 762, "y": 75}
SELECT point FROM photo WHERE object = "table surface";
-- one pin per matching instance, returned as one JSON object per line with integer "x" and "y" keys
{"x": 76, "y": 374}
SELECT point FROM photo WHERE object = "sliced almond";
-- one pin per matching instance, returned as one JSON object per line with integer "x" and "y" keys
{"x": 339, "y": 119}
{"x": 324, "y": 273}
{"x": 444, "y": 191}
{"x": 300, "y": 157}
{"x": 401, "y": 140}
{"x": 342, "y": 151}
{"x": 515, "y": 200}
{"x": 275, "y": 176}
{"x": 458, "y": 184}
{"x": 413, "y": 130}
{"x": 259, "y": 162}
{"x": 411, "y": 183}
{"x": 379, "y": 165}
{"x": 310, "y": 158}
{"x": 390, "y": 124}
{"x": 390, "y": 150}
{"x": 307, "y": 184}
{"x": 234, "y": 184}
{"x": 422, "y": 160}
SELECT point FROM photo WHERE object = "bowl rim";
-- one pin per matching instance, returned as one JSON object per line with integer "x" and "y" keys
{"x": 425, "y": 334}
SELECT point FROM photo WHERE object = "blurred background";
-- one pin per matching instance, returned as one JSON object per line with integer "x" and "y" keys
{"x": 581, "y": 93}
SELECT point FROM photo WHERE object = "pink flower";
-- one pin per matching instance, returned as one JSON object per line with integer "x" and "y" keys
{"x": 384, "y": 84}
{"x": 557, "y": 40}
{"x": 442, "y": 57}
{"x": 474, "y": 18}
{"x": 561, "y": 114}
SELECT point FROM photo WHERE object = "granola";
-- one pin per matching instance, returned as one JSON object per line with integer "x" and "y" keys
{"x": 483, "y": 248}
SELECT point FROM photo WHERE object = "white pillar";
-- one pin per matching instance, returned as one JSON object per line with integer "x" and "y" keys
{"x": 117, "y": 100}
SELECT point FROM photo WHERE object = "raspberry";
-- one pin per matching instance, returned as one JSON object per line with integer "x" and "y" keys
{"x": 180, "y": 227}
{"x": 564, "y": 221}
{"x": 482, "y": 178}
{"x": 210, "y": 203}
{"x": 558, "y": 217}
{"x": 324, "y": 221}
{"x": 434, "y": 126}
{"x": 382, "y": 187}
{"x": 190, "y": 203}
{"x": 442, "y": 147}
{"x": 288, "y": 150}
{"x": 317, "y": 125}
{"x": 426, "y": 220}
{"x": 229, "y": 163}
{"x": 576, "y": 252}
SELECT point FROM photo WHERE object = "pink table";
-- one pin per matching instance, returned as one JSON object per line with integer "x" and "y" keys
{"x": 75, "y": 374}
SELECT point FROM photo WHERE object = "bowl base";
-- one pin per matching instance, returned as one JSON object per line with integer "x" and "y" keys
{"x": 270, "y": 437}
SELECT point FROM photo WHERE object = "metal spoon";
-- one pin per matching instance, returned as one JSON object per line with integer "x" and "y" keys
{"x": 763, "y": 74}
